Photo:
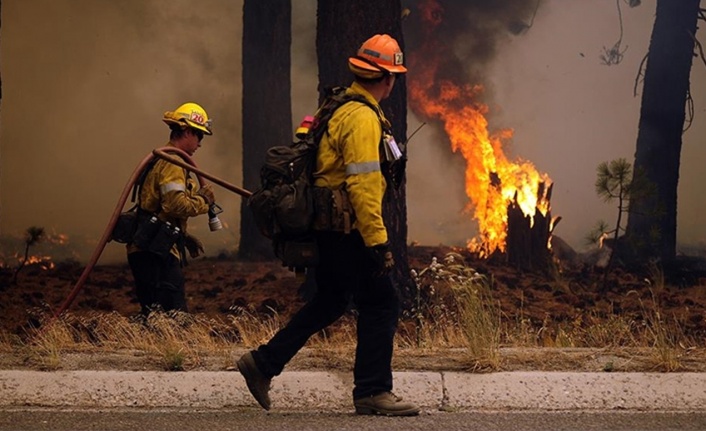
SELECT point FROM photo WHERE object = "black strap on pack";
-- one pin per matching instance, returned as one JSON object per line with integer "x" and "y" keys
{"x": 334, "y": 99}
{"x": 137, "y": 188}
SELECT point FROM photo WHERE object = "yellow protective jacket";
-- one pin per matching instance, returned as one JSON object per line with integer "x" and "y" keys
{"x": 349, "y": 156}
{"x": 171, "y": 193}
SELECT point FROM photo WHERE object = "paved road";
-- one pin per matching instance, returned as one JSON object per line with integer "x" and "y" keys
{"x": 53, "y": 419}
{"x": 305, "y": 400}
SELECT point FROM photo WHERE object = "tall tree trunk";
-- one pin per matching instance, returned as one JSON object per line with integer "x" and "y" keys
{"x": 342, "y": 26}
{"x": 267, "y": 113}
{"x": 0, "y": 80}
{"x": 652, "y": 221}
{"x": 0, "y": 39}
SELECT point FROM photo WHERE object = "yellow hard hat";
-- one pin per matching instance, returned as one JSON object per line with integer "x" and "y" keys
{"x": 377, "y": 55}
{"x": 189, "y": 115}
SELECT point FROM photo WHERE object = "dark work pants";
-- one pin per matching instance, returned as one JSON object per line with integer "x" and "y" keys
{"x": 159, "y": 282}
{"x": 345, "y": 270}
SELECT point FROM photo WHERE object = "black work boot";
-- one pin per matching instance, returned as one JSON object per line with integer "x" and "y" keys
{"x": 258, "y": 383}
{"x": 385, "y": 403}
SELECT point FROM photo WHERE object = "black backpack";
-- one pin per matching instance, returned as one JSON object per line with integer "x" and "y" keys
{"x": 283, "y": 206}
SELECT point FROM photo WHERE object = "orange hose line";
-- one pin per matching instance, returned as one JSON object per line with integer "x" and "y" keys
{"x": 185, "y": 162}
{"x": 159, "y": 152}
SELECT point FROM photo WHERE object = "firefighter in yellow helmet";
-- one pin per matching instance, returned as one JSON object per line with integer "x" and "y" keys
{"x": 168, "y": 196}
{"x": 353, "y": 247}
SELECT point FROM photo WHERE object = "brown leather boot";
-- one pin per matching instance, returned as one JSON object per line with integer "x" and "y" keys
{"x": 385, "y": 403}
{"x": 258, "y": 383}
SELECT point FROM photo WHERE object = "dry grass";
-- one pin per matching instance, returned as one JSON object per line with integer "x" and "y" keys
{"x": 254, "y": 330}
{"x": 455, "y": 309}
{"x": 175, "y": 339}
{"x": 665, "y": 335}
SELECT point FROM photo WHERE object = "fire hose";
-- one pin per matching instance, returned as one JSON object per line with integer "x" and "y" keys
{"x": 183, "y": 161}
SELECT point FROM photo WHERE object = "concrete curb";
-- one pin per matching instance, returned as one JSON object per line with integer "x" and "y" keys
{"x": 322, "y": 390}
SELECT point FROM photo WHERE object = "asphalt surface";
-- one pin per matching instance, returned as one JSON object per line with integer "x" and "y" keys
{"x": 252, "y": 419}
{"x": 327, "y": 391}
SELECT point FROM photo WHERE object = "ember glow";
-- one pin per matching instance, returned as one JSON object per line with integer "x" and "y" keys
{"x": 58, "y": 238}
{"x": 492, "y": 181}
{"x": 43, "y": 262}
{"x": 16, "y": 260}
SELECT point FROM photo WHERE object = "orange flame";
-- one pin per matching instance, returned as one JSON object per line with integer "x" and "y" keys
{"x": 44, "y": 262}
{"x": 15, "y": 260}
{"x": 492, "y": 182}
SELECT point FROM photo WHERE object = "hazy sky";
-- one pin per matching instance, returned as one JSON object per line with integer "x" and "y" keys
{"x": 85, "y": 83}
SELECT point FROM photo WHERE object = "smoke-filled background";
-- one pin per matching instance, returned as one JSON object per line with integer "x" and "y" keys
{"x": 85, "y": 83}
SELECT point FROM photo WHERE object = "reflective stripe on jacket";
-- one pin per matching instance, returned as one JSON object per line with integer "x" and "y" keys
{"x": 170, "y": 193}
{"x": 349, "y": 156}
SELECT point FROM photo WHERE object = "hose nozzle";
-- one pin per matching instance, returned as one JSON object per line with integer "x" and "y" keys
{"x": 214, "y": 223}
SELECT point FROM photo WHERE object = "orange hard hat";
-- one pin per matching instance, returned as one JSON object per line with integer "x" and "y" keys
{"x": 377, "y": 55}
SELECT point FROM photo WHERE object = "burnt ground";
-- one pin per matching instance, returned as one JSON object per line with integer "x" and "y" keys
{"x": 580, "y": 296}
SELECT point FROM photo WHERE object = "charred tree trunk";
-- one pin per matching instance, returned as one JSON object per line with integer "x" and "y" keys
{"x": 652, "y": 221}
{"x": 0, "y": 39}
{"x": 267, "y": 112}
{"x": 341, "y": 27}
{"x": 528, "y": 237}
{"x": 0, "y": 71}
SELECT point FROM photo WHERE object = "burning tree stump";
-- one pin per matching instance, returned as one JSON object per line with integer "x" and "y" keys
{"x": 528, "y": 237}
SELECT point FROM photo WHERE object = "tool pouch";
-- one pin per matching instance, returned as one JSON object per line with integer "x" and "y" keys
{"x": 298, "y": 253}
{"x": 125, "y": 227}
{"x": 332, "y": 210}
{"x": 156, "y": 236}
{"x": 147, "y": 228}
{"x": 323, "y": 204}
{"x": 167, "y": 236}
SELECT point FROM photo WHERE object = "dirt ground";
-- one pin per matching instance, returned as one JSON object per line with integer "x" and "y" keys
{"x": 215, "y": 286}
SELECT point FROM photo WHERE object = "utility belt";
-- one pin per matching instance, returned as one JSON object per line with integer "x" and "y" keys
{"x": 332, "y": 210}
{"x": 157, "y": 236}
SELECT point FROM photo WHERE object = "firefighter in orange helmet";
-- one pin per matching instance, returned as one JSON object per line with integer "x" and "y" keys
{"x": 168, "y": 197}
{"x": 354, "y": 259}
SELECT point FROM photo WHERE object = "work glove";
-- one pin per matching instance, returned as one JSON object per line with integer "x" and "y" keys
{"x": 382, "y": 256}
{"x": 193, "y": 245}
{"x": 206, "y": 192}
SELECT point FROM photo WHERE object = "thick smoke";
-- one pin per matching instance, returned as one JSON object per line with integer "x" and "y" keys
{"x": 463, "y": 37}
{"x": 85, "y": 85}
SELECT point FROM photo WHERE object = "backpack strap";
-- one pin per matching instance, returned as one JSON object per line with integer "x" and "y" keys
{"x": 137, "y": 188}
{"x": 335, "y": 98}
{"x": 392, "y": 170}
